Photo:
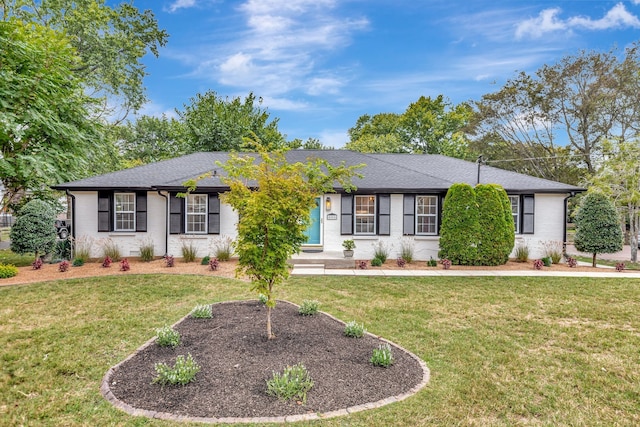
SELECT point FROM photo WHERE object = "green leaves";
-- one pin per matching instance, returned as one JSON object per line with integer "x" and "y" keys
{"x": 597, "y": 226}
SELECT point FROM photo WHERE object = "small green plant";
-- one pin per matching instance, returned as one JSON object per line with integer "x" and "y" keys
{"x": 553, "y": 251}
{"x": 82, "y": 248}
{"x": 263, "y": 299}
{"x": 146, "y": 250}
{"x": 205, "y": 260}
{"x": 202, "y": 311}
{"x": 78, "y": 262}
{"x": 294, "y": 382}
{"x": 376, "y": 262}
{"x": 124, "y": 265}
{"x": 349, "y": 245}
{"x": 382, "y": 356}
{"x": 189, "y": 251}
{"x": 223, "y": 248}
{"x": 522, "y": 253}
{"x": 354, "y": 329}
{"x": 63, "y": 266}
{"x": 308, "y": 307}
{"x": 182, "y": 373}
{"x": 62, "y": 249}
{"x": 110, "y": 249}
{"x": 8, "y": 270}
{"x": 406, "y": 249}
{"x": 546, "y": 261}
{"x": 167, "y": 337}
{"x": 380, "y": 251}
{"x": 432, "y": 262}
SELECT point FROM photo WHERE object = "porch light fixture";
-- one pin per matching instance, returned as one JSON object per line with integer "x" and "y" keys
{"x": 327, "y": 204}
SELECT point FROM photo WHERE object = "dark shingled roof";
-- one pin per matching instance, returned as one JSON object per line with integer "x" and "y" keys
{"x": 390, "y": 173}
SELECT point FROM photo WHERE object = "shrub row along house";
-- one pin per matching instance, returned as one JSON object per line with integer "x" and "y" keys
{"x": 399, "y": 196}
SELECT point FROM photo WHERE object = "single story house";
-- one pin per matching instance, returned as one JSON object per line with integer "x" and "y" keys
{"x": 399, "y": 196}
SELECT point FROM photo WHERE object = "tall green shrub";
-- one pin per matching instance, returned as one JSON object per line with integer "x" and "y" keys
{"x": 597, "y": 226}
{"x": 496, "y": 234}
{"x": 34, "y": 230}
{"x": 459, "y": 230}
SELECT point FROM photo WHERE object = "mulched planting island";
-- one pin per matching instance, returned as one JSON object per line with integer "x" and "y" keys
{"x": 236, "y": 359}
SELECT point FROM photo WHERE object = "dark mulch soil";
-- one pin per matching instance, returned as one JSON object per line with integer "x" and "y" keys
{"x": 237, "y": 359}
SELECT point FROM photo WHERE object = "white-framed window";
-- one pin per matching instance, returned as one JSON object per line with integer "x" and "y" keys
{"x": 427, "y": 215}
{"x": 365, "y": 215}
{"x": 196, "y": 217}
{"x": 515, "y": 211}
{"x": 125, "y": 211}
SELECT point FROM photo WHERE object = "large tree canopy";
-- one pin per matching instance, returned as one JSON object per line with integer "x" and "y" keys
{"x": 45, "y": 125}
{"x": 554, "y": 123}
{"x": 213, "y": 123}
{"x": 109, "y": 41}
{"x": 432, "y": 126}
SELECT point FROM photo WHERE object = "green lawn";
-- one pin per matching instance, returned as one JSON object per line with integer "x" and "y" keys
{"x": 502, "y": 351}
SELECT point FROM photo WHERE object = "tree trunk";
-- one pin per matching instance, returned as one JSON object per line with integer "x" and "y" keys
{"x": 269, "y": 334}
{"x": 593, "y": 264}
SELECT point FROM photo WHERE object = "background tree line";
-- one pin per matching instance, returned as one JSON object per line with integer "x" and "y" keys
{"x": 71, "y": 75}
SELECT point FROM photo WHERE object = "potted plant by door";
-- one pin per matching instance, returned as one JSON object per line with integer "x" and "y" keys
{"x": 348, "y": 245}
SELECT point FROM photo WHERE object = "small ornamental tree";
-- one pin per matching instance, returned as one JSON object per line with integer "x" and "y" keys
{"x": 496, "y": 234}
{"x": 597, "y": 226}
{"x": 273, "y": 199}
{"x": 34, "y": 230}
{"x": 459, "y": 230}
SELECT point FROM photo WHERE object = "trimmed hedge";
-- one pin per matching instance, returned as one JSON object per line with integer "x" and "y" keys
{"x": 459, "y": 229}
{"x": 477, "y": 225}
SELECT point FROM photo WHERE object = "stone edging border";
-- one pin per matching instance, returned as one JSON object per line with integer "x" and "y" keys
{"x": 105, "y": 390}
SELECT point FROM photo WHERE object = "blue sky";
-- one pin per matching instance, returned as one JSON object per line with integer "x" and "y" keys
{"x": 321, "y": 64}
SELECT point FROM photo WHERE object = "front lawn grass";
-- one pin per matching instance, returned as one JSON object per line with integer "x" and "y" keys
{"x": 502, "y": 351}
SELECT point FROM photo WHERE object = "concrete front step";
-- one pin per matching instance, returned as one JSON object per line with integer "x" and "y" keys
{"x": 323, "y": 263}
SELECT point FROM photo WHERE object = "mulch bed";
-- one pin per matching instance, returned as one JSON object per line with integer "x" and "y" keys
{"x": 236, "y": 359}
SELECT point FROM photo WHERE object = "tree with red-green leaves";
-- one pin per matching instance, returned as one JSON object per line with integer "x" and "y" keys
{"x": 273, "y": 199}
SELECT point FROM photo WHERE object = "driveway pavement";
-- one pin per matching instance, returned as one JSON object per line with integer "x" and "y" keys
{"x": 623, "y": 255}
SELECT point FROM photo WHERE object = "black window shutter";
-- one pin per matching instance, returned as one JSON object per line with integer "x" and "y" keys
{"x": 141, "y": 211}
{"x": 346, "y": 214}
{"x": 384, "y": 214}
{"x": 105, "y": 204}
{"x": 214, "y": 214}
{"x": 409, "y": 216}
{"x": 176, "y": 214}
{"x": 528, "y": 212}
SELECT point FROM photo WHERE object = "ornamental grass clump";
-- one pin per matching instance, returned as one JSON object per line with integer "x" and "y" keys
{"x": 293, "y": 383}
{"x": 202, "y": 311}
{"x": 189, "y": 251}
{"x": 167, "y": 337}
{"x": 223, "y": 248}
{"x": 380, "y": 251}
{"x": 182, "y": 373}
{"x": 382, "y": 356}
{"x": 309, "y": 307}
{"x": 406, "y": 249}
{"x": 110, "y": 249}
{"x": 146, "y": 250}
{"x": 354, "y": 329}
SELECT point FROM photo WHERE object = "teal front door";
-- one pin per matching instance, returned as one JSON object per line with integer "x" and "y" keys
{"x": 313, "y": 231}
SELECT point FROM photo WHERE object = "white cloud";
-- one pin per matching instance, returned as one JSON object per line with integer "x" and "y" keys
{"x": 334, "y": 138}
{"x": 181, "y": 4}
{"x": 549, "y": 21}
{"x": 280, "y": 48}
{"x": 617, "y": 17}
